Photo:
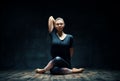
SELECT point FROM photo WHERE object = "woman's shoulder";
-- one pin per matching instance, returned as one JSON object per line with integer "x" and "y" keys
{"x": 70, "y": 35}
{"x": 53, "y": 31}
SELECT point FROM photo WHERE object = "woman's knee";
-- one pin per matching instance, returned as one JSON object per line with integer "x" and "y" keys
{"x": 57, "y": 58}
{"x": 60, "y": 62}
{"x": 56, "y": 70}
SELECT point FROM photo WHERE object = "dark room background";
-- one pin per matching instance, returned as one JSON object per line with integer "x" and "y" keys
{"x": 24, "y": 38}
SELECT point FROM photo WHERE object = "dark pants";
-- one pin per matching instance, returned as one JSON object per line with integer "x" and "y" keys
{"x": 59, "y": 63}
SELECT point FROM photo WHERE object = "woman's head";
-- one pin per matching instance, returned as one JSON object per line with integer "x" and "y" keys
{"x": 59, "y": 24}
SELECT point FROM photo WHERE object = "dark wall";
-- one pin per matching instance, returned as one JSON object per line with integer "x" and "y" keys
{"x": 25, "y": 41}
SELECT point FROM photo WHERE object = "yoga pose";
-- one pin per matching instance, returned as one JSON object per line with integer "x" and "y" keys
{"x": 61, "y": 49}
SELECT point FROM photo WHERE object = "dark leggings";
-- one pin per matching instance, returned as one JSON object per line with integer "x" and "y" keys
{"x": 59, "y": 63}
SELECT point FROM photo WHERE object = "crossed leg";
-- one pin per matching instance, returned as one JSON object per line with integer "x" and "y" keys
{"x": 51, "y": 66}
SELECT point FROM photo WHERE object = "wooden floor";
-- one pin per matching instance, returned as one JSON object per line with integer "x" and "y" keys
{"x": 87, "y": 75}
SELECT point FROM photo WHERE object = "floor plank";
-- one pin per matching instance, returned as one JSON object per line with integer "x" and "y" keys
{"x": 87, "y": 75}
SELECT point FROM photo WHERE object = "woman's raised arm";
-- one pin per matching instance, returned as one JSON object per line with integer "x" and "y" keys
{"x": 51, "y": 22}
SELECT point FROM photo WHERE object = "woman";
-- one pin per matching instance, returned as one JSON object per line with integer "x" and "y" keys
{"x": 61, "y": 49}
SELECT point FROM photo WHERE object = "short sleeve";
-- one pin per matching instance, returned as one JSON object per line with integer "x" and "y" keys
{"x": 51, "y": 34}
{"x": 71, "y": 41}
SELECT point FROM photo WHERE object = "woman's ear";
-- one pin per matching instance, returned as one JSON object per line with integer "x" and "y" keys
{"x": 64, "y": 24}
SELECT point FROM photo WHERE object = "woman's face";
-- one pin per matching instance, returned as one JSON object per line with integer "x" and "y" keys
{"x": 59, "y": 25}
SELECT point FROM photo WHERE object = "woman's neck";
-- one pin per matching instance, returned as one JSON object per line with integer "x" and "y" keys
{"x": 60, "y": 33}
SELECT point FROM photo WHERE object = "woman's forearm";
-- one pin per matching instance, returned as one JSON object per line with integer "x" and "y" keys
{"x": 71, "y": 51}
{"x": 51, "y": 22}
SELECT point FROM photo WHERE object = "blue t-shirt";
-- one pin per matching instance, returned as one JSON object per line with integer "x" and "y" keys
{"x": 61, "y": 47}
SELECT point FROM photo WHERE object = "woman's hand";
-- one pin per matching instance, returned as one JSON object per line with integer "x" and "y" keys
{"x": 51, "y": 18}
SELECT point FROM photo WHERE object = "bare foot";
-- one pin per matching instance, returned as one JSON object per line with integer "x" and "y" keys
{"x": 75, "y": 70}
{"x": 41, "y": 71}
